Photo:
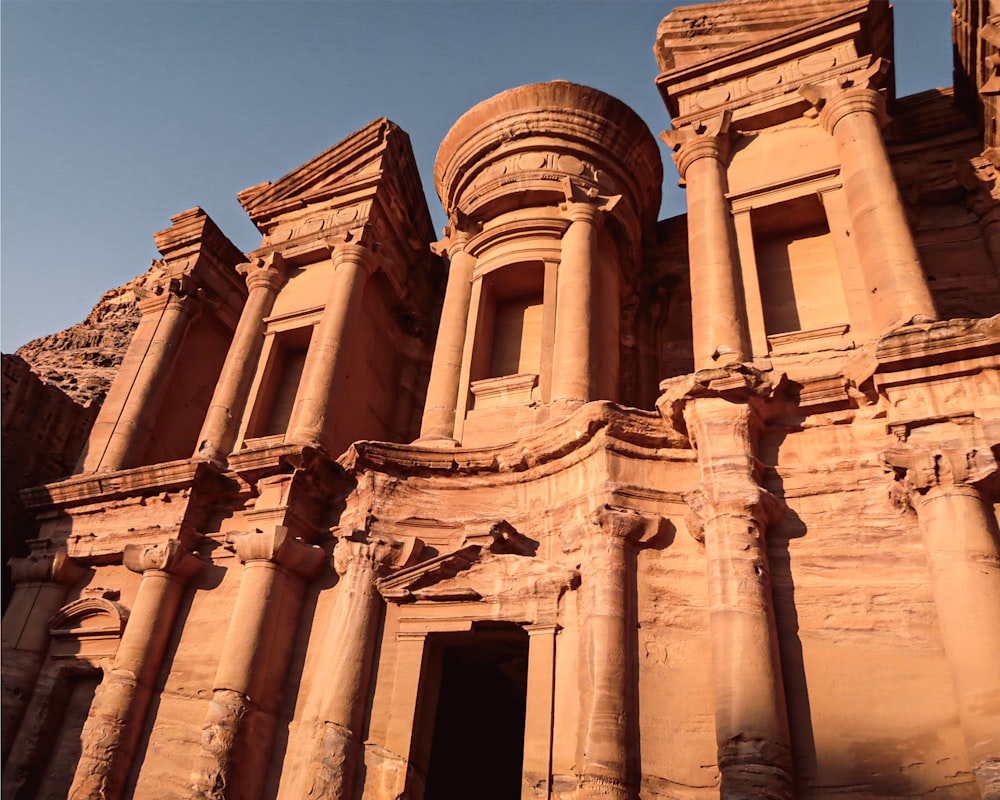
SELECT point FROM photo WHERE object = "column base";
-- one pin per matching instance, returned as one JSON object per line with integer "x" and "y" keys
{"x": 436, "y": 442}
{"x": 755, "y": 769}
{"x": 597, "y": 787}
{"x": 988, "y": 777}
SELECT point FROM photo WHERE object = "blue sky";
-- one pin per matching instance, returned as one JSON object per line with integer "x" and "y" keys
{"x": 118, "y": 114}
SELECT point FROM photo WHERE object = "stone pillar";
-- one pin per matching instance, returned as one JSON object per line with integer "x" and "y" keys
{"x": 608, "y": 634}
{"x": 118, "y": 714}
{"x": 353, "y": 262}
{"x": 538, "y": 720}
{"x": 959, "y": 534}
{"x": 717, "y": 313}
{"x": 348, "y": 650}
{"x": 751, "y": 720}
{"x": 897, "y": 288}
{"x": 274, "y": 564}
{"x": 571, "y": 352}
{"x": 438, "y": 424}
{"x": 167, "y": 315}
{"x": 41, "y": 581}
{"x": 264, "y": 278}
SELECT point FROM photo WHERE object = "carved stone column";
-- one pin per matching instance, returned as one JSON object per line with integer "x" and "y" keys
{"x": 438, "y": 424}
{"x": 275, "y": 564}
{"x": 353, "y": 262}
{"x": 348, "y": 650}
{"x": 605, "y": 767}
{"x": 959, "y": 533}
{"x": 166, "y": 315}
{"x": 41, "y": 581}
{"x": 732, "y": 512}
{"x": 571, "y": 352}
{"x": 264, "y": 278}
{"x": 717, "y": 312}
{"x": 118, "y": 714}
{"x": 897, "y": 288}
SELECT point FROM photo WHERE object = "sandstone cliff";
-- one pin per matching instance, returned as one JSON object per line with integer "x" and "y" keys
{"x": 83, "y": 360}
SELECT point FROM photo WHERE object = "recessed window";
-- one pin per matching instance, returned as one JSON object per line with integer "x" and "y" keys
{"x": 800, "y": 284}
{"x": 283, "y": 373}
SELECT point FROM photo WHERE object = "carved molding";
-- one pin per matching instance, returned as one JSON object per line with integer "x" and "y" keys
{"x": 917, "y": 470}
{"x": 742, "y": 500}
{"x": 51, "y": 567}
{"x": 279, "y": 545}
{"x": 269, "y": 272}
{"x": 168, "y": 556}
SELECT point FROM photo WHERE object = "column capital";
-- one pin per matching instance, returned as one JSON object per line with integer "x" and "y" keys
{"x": 703, "y": 139}
{"x": 279, "y": 546}
{"x": 742, "y": 500}
{"x": 375, "y": 552}
{"x": 918, "y": 470}
{"x": 851, "y": 94}
{"x": 45, "y": 567}
{"x": 168, "y": 556}
{"x": 269, "y": 271}
{"x": 456, "y": 235}
{"x": 356, "y": 246}
{"x": 626, "y": 524}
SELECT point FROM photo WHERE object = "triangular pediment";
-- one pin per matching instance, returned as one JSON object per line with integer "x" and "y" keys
{"x": 350, "y": 165}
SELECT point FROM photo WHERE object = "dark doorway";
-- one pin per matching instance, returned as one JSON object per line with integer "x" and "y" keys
{"x": 478, "y": 741}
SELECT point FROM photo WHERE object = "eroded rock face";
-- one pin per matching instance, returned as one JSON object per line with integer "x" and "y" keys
{"x": 83, "y": 360}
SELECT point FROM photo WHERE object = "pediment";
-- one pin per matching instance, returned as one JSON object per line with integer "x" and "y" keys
{"x": 350, "y": 166}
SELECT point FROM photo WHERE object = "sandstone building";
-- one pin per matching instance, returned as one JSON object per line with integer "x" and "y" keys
{"x": 572, "y": 502}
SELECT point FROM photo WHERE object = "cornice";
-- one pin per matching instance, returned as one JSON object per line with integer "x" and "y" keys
{"x": 635, "y": 429}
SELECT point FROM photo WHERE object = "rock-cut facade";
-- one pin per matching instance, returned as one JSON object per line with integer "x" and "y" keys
{"x": 571, "y": 502}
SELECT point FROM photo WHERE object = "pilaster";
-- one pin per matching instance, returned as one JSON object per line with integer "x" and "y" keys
{"x": 718, "y": 317}
{"x": 264, "y": 279}
{"x": 276, "y": 566}
{"x": 438, "y": 425}
{"x": 41, "y": 582}
{"x": 942, "y": 484}
{"x": 853, "y": 112}
{"x": 353, "y": 261}
{"x": 605, "y": 768}
{"x": 349, "y": 648}
{"x": 118, "y": 714}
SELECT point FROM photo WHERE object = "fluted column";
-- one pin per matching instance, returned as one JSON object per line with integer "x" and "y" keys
{"x": 264, "y": 278}
{"x": 274, "y": 566}
{"x": 168, "y": 313}
{"x": 438, "y": 424}
{"x": 41, "y": 581}
{"x": 353, "y": 262}
{"x": 960, "y": 536}
{"x": 571, "y": 351}
{"x": 348, "y": 651}
{"x": 604, "y": 771}
{"x": 751, "y": 720}
{"x": 897, "y": 287}
{"x": 118, "y": 714}
{"x": 717, "y": 312}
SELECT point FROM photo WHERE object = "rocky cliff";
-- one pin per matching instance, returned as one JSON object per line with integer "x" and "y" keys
{"x": 83, "y": 360}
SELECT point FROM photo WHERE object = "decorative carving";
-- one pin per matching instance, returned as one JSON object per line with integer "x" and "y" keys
{"x": 169, "y": 556}
{"x": 279, "y": 545}
{"x": 269, "y": 272}
{"x": 702, "y": 139}
{"x": 52, "y": 567}
{"x": 917, "y": 470}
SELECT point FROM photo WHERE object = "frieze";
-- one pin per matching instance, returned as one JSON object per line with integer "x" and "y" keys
{"x": 318, "y": 225}
{"x": 770, "y": 83}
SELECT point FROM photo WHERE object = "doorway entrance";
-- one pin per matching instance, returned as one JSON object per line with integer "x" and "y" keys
{"x": 476, "y": 712}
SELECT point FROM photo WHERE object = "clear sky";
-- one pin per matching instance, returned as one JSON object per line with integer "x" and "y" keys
{"x": 118, "y": 114}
